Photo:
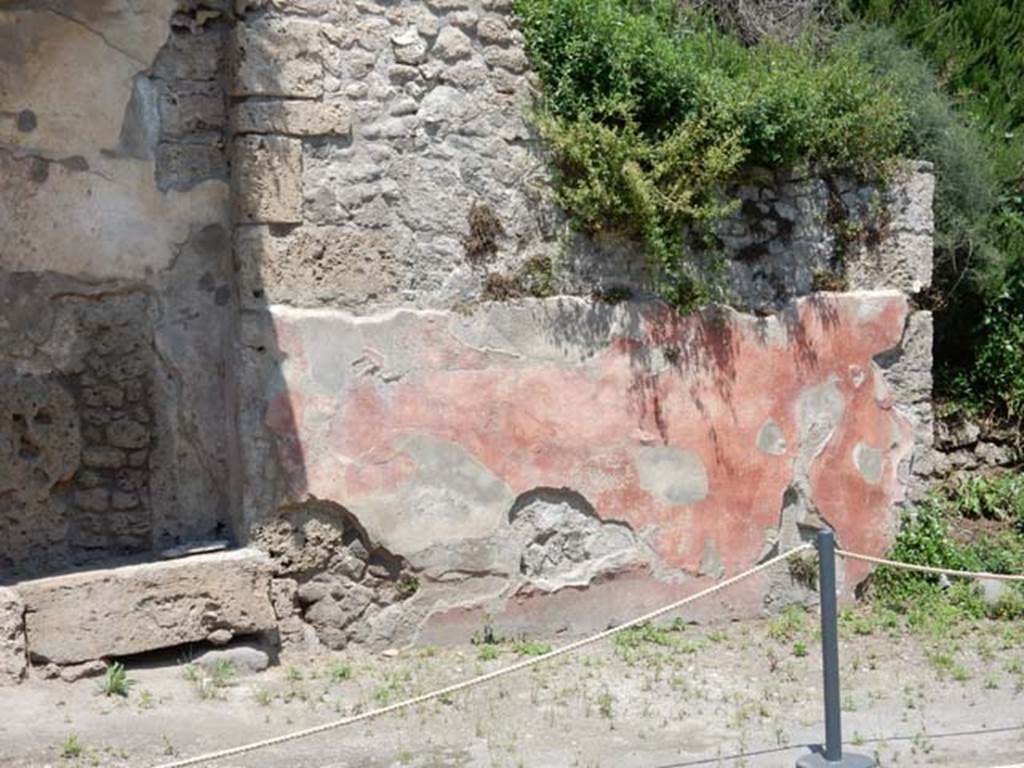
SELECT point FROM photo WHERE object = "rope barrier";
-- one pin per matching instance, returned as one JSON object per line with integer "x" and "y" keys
{"x": 929, "y": 568}
{"x": 473, "y": 682}
{"x": 569, "y": 648}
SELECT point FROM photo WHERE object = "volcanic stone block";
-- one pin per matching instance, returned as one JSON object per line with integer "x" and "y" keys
{"x": 268, "y": 179}
{"x": 293, "y": 117}
{"x": 137, "y": 608}
{"x": 278, "y": 57}
{"x": 12, "y": 637}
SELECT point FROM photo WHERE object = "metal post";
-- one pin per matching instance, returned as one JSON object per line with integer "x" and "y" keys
{"x": 832, "y": 754}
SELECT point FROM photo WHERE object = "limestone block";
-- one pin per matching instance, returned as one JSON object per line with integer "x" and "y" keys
{"x": 293, "y": 118}
{"x": 903, "y": 262}
{"x": 268, "y": 179}
{"x": 13, "y": 660}
{"x": 278, "y": 57}
{"x": 137, "y": 608}
{"x": 314, "y": 265}
{"x": 904, "y": 258}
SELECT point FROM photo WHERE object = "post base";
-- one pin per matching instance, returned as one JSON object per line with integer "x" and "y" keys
{"x": 848, "y": 760}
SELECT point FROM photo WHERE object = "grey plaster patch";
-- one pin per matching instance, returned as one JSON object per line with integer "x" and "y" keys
{"x": 673, "y": 475}
{"x": 711, "y": 561}
{"x": 819, "y": 409}
{"x": 770, "y": 439}
{"x": 451, "y": 497}
{"x": 140, "y": 130}
{"x": 869, "y": 462}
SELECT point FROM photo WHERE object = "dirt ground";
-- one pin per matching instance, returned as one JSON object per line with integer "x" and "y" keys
{"x": 737, "y": 694}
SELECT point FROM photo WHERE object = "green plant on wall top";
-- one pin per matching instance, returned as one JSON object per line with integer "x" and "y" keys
{"x": 650, "y": 111}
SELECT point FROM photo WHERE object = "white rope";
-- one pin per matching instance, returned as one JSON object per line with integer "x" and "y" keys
{"x": 525, "y": 664}
{"x": 929, "y": 568}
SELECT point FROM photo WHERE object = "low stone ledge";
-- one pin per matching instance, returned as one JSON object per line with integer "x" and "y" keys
{"x": 13, "y": 660}
{"x": 138, "y": 608}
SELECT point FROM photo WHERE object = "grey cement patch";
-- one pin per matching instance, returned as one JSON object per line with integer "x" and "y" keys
{"x": 673, "y": 475}
{"x": 564, "y": 541}
{"x": 770, "y": 439}
{"x": 819, "y": 409}
{"x": 451, "y": 497}
{"x": 869, "y": 462}
{"x": 711, "y": 561}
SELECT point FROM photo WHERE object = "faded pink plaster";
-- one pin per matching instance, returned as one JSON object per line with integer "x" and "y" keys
{"x": 535, "y": 422}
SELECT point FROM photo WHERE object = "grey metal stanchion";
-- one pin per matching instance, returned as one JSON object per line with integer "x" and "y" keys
{"x": 832, "y": 756}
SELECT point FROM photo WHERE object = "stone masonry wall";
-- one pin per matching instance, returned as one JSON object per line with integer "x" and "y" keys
{"x": 249, "y": 286}
{"x": 116, "y": 298}
{"x": 554, "y": 460}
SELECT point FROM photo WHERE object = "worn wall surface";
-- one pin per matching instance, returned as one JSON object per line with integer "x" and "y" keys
{"x": 291, "y": 275}
{"x": 550, "y": 462}
{"x": 116, "y": 302}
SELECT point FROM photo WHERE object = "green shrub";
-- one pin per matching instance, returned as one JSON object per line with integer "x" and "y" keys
{"x": 974, "y": 43}
{"x": 994, "y": 497}
{"x": 992, "y": 385}
{"x": 650, "y": 111}
{"x": 925, "y": 538}
{"x": 974, "y": 47}
{"x": 966, "y": 187}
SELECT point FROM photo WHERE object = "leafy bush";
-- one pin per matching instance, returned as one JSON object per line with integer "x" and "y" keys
{"x": 650, "y": 110}
{"x": 974, "y": 46}
{"x": 925, "y": 539}
{"x": 965, "y": 183}
{"x": 993, "y": 383}
{"x": 993, "y": 497}
{"x": 974, "y": 43}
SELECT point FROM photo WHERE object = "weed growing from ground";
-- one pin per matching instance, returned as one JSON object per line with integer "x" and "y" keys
{"x": 115, "y": 681}
{"x": 488, "y": 653}
{"x": 531, "y": 648}
{"x": 210, "y": 680}
{"x": 71, "y": 748}
{"x": 340, "y": 672}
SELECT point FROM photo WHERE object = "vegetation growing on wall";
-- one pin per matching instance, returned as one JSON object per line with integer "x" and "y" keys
{"x": 650, "y": 110}
{"x": 652, "y": 106}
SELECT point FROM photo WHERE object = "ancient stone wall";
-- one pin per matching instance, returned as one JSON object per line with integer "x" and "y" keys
{"x": 380, "y": 353}
{"x": 116, "y": 297}
{"x": 430, "y": 353}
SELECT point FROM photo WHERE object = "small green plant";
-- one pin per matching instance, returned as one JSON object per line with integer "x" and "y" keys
{"x": 263, "y": 696}
{"x": 787, "y": 625}
{"x": 115, "y": 681}
{"x": 294, "y": 674}
{"x": 488, "y": 652}
{"x": 799, "y": 649}
{"x": 605, "y": 705}
{"x": 71, "y": 748}
{"x": 340, "y": 672}
{"x": 223, "y": 673}
{"x": 209, "y": 680}
{"x": 644, "y": 634}
{"x": 531, "y": 648}
{"x": 168, "y": 747}
{"x": 486, "y": 635}
{"x": 407, "y": 586}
